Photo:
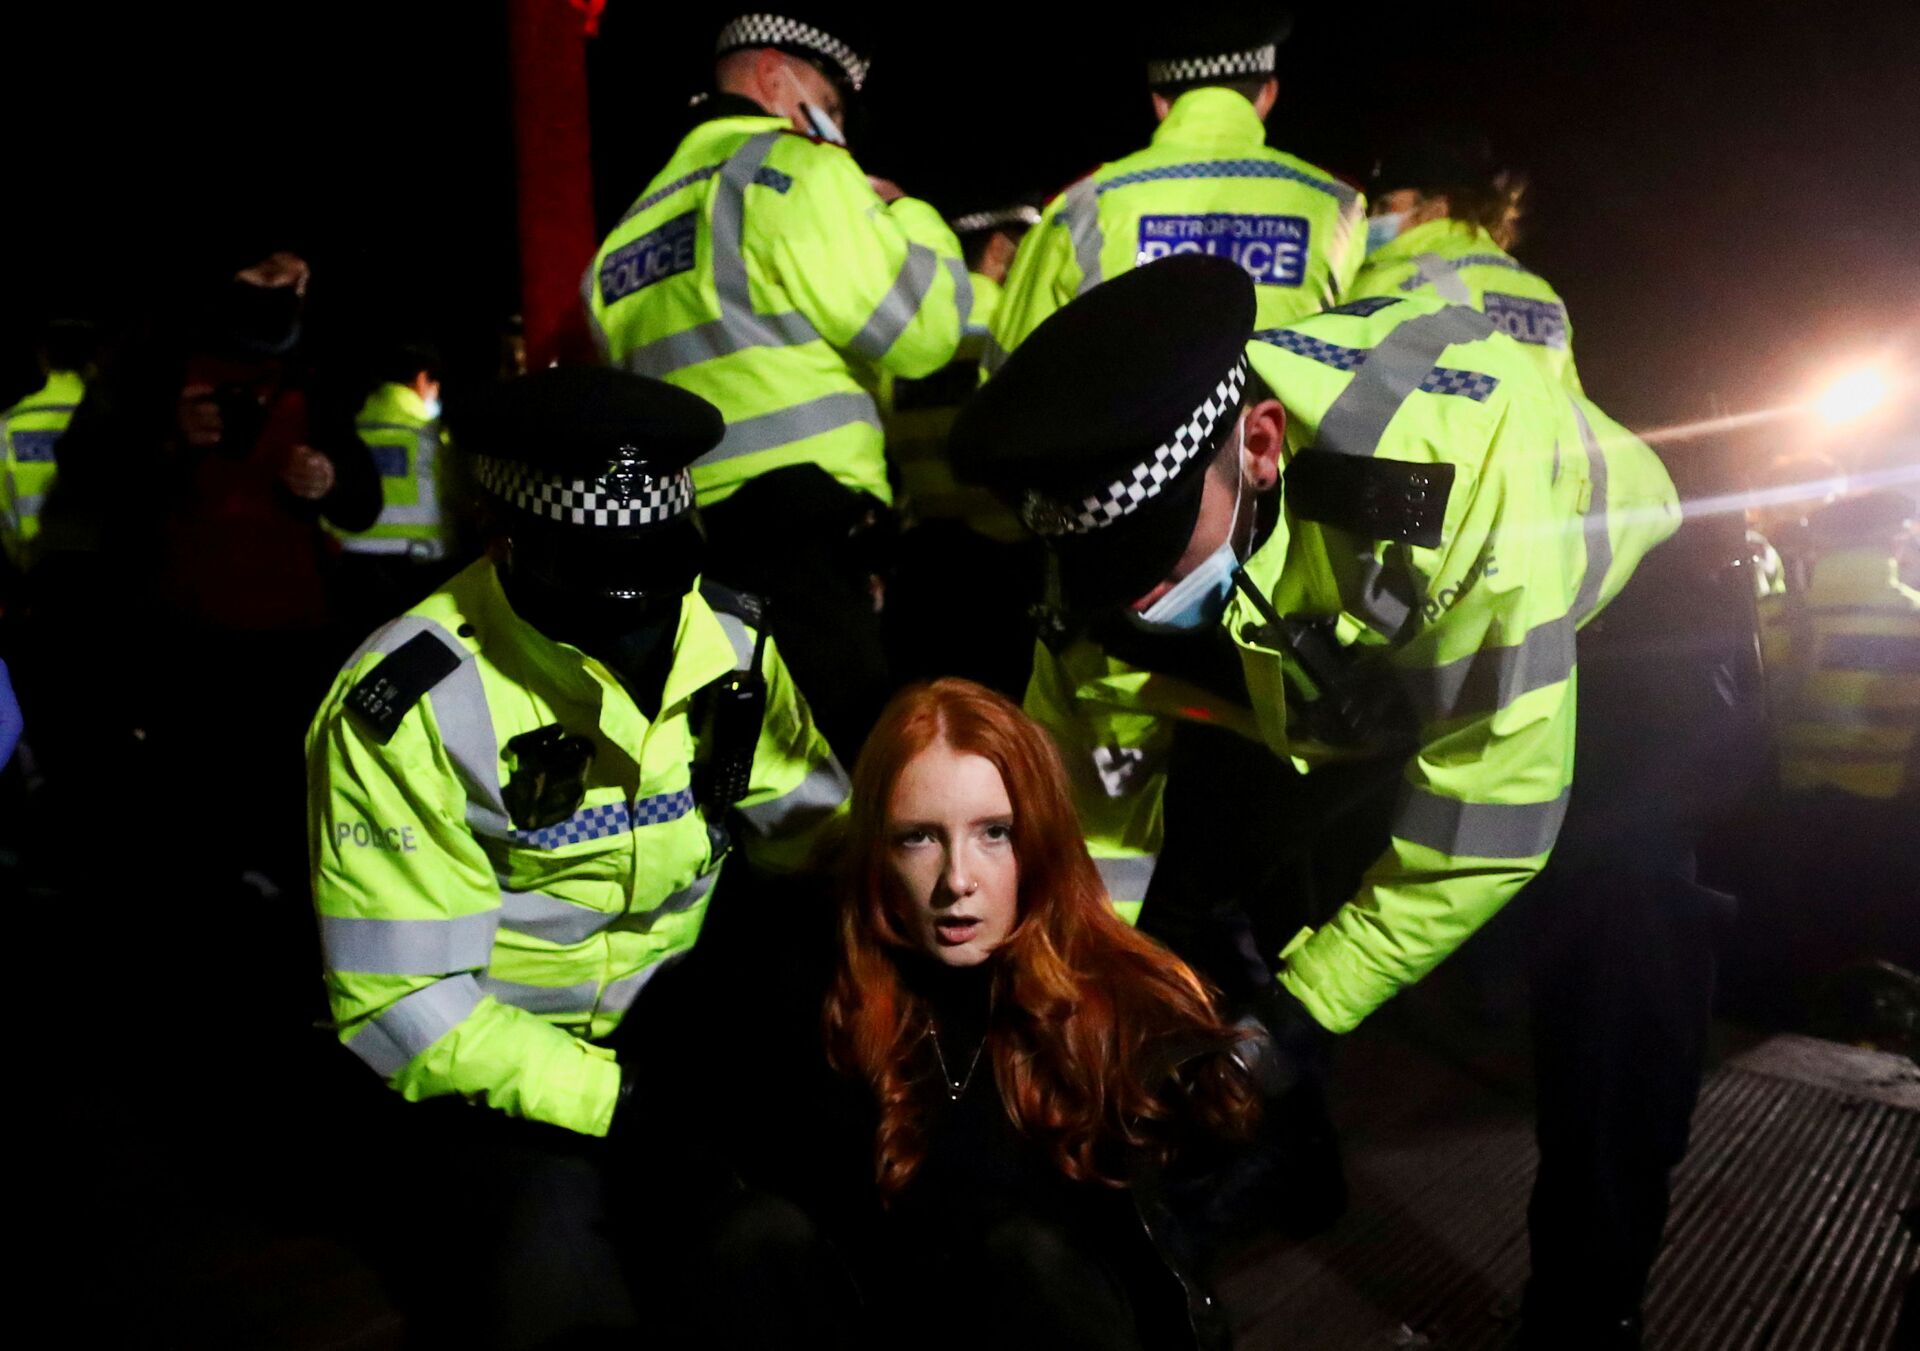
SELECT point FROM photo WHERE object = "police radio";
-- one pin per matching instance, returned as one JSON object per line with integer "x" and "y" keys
{"x": 736, "y": 708}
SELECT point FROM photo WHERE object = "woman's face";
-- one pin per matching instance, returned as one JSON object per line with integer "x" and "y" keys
{"x": 950, "y": 849}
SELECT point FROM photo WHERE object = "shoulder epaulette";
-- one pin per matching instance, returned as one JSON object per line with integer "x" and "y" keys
{"x": 742, "y": 605}
{"x": 385, "y": 695}
{"x": 1371, "y": 497}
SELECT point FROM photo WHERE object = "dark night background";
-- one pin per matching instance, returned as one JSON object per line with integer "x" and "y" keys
{"x": 1726, "y": 194}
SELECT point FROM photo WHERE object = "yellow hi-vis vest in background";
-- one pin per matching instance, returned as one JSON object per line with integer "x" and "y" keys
{"x": 1846, "y": 677}
{"x": 1459, "y": 263}
{"x": 1208, "y": 183}
{"x": 410, "y": 450}
{"x": 30, "y": 433}
{"x": 760, "y": 271}
{"x": 1551, "y": 508}
{"x": 919, "y": 415}
{"x": 468, "y": 955}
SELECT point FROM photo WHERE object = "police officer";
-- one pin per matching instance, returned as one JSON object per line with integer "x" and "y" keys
{"x": 30, "y": 433}
{"x": 1364, "y": 542}
{"x": 402, "y": 555}
{"x": 963, "y": 558}
{"x": 1209, "y": 183}
{"x": 1444, "y": 215}
{"x": 523, "y": 795}
{"x": 763, "y": 270}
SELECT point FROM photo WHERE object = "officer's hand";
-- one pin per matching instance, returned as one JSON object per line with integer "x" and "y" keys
{"x": 888, "y": 189}
{"x": 1284, "y": 1046}
{"x": 307, "y": 473}
{"x": 198, "y": 416}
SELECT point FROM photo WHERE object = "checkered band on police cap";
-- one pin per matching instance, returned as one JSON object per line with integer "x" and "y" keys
{"x": 975, "y": 221}
{"x": 1257, "y": 61}
{"x": 625, "y": 496}
{"x": 776, "y": 30}
{"x": 1145, "y": 481}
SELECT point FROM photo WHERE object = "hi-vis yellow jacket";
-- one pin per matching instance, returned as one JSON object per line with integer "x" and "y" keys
{"x": 1208, "y": 183}
{"x": 1551, "y": 508}
{"x": 409, "y": 448}
{"x": 30, "y": 432}
{"x": 1844, "y": 665}
{"x": 760, "y": 271}
{"x": 1459, "y": 263}
{"x": 467, "y": 954}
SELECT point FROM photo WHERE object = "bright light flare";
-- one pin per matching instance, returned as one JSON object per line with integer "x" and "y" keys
{"x": 1852, "y": 396}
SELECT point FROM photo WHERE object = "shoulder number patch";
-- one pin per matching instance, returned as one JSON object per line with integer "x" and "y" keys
{"x": 1272, "y": 249}
{"x": 382, "y": 699}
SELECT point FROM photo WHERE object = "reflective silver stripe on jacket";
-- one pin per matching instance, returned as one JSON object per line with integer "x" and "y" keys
{"x": 784, "y": 426}
{"x": 813, "y": 799}
{"x": 459, "y": 704}
{"x": 899, "y": 305}
{"x": 29, "y": 504}
{"x": 1479, "y": 829}
{"x": 408, "y": 947}
{"x": 738, "y": 328}
{"x": 740, "y": 637}
{"x": 1391, "y": 370}
{"x": 1127, "y": 878}
{"x": 414, "y": 1022}
{"x": 1080, "y": 212}
{"x": 1594, "y": 525}
{"x": 1486, "y": 681}
{"x": 564, "y": 924}
{"x": 620, "y": 995}
{"x": 579, "y": 998}
{"x": 962, "y": 294}
{"x": 1442, "y": 275}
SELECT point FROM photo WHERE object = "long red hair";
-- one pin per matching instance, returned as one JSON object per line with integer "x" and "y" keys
{"x": 1086, "y": 1011}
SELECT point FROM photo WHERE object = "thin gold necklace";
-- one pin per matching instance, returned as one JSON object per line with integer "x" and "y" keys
{"x": 955, "y": 1088}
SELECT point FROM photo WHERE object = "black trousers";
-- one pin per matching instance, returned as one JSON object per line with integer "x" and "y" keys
{"x": 794, "y": 537}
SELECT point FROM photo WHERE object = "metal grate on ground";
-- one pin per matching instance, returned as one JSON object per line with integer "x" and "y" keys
{"x": 1786, "y": 1232}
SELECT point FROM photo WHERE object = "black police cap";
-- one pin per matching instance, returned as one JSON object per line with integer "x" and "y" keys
{"x": 1213, "y": 44}
{"x": 1099, "y": 427}
{"x": 587, "y": 446}
{"x": 832, "y": 37}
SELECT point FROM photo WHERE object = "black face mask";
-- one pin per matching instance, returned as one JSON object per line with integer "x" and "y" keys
{"x": 263, "y": 320}
{"x": 599, "y": 594}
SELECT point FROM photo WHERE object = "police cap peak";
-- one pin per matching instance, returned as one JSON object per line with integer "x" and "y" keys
{"x": 587, "y": 445}
{"x": 1216, "y": 43}
{"x": 1099, "y": 425}
{"x": 831, "y": 37}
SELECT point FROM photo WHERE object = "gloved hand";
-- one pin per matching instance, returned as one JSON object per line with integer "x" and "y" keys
{"x": 1284, "y": 1046}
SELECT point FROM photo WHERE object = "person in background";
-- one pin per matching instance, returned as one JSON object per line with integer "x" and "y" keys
{"x": 1030, "y": 1064}
{"x": 30, "y": 434}
{"x": 411, "y": 547}
{"x": 1444, "y": 215}
{"x": 962, "y": 557}
{"x": 1209, "y": 184}
{"x": 765, "y": 271}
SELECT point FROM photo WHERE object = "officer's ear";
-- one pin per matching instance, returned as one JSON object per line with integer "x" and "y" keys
{"x": 1162, "y": 105}
{"x": 1264, "y": 444}
{"x": 1264, "y": 100}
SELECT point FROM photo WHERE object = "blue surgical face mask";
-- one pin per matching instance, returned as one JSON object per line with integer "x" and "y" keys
{"x": 1383, "y": 229}
{"x": 823, "y": 126}
{"x": 1198, "y": 599}
{"x": 433, "y": 409}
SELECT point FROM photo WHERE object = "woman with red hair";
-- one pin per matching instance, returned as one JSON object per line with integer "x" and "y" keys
{"x": 1033, "y": 1063}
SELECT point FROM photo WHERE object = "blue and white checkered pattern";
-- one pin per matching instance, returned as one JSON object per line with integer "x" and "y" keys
{"x": 623, "y": 502}
{"x": 777, "y": 30}
{"x": 1217, "y": 66}
{"x": 1123, "y": 497}
{"x": 612, "y": 818}
{"x": 1475, "y": 385}
{"x": 1224, "y": 168}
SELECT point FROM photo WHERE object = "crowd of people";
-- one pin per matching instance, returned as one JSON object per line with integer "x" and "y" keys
{"x": 1224, "y": 594}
